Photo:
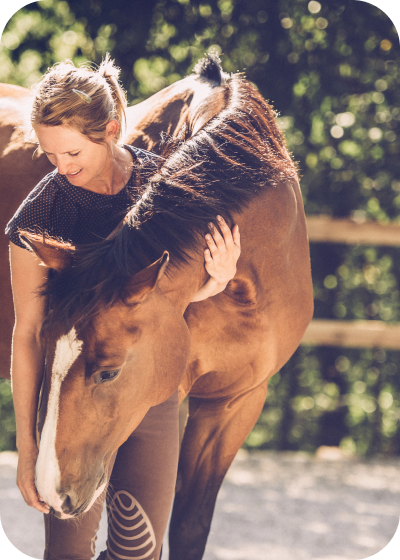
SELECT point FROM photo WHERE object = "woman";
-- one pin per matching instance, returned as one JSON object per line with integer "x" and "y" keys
{"x": 77, "y": 119}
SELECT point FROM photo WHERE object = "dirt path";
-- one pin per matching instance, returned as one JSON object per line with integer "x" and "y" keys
{"x": 272, "y": 506}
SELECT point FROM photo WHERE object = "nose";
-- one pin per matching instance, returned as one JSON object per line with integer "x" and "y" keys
{"x": 69, "y": 502}
{"x": 61, "y": 166}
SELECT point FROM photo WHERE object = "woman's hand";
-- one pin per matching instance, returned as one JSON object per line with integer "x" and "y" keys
{"x": 223, "y": 251}
{"x": 27, "y": 458}
{"x": 220, "y": 258}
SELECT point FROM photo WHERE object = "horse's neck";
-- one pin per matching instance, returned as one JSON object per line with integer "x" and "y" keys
{"x": 179, "y": 285}
{"x": 165, "y": 111}
{"x": 191, "y": 102}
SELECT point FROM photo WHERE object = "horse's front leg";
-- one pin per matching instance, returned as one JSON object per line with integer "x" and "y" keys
{"x": 214, "y": 433}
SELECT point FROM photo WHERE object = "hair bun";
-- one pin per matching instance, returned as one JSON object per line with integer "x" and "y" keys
{"x": 107, "y": 68}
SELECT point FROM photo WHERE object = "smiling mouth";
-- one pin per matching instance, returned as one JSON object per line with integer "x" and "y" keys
{"x": 74, "y": 174}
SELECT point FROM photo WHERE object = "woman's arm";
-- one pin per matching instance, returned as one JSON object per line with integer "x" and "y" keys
{"x": 220, "y": 259}
{"x": 27, "y": 364}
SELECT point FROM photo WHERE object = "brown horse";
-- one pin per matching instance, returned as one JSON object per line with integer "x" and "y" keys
{"x": 122, "y": 334}
{"x": 20, "y": 170}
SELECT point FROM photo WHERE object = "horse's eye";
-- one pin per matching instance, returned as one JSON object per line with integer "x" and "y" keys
{"x": 104, "y": 376}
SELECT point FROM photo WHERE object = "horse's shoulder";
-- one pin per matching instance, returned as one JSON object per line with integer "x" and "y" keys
{"x": 242, "y": 291}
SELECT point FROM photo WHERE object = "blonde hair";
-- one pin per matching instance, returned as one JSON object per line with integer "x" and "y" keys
{"x": 83, "y": 98}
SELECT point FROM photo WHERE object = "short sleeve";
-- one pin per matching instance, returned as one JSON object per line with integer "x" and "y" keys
{"x": 33, "y": 213}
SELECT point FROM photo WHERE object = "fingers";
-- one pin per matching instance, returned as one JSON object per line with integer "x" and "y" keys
{"x": 40, "y": 506}
{"x": 31, "y": 497}
{"x": 225, "y": 241}
{"x": 207, "y": 256}
{"x": 236, "y": 235}
{"x": 212, "y": 248}
{"x": 26, "y": 481}
{"x": 37, "y": 504}
{"x": 226, "y": 231}
{"x": 218, "y": 241}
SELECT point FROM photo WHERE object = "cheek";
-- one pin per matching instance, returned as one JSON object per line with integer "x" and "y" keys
{"x": 97, "y": 157}
{"x": 171, "y": 361}
{"x": 119, "y": 410}
{"x": 106, "y": 401}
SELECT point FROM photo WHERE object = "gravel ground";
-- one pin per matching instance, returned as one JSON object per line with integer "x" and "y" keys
{"x": 272, "y": 506}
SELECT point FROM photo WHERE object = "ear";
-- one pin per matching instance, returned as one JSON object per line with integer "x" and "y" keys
{"x": 146, "y": 280}
{"x": 112, "y": 128}
{"x": 51, "y": 252}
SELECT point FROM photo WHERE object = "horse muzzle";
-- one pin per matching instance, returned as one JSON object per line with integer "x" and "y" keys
{"x": 72, "y": 505}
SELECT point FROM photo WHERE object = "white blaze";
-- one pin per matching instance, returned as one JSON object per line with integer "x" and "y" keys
{"x": 68, "y": 348}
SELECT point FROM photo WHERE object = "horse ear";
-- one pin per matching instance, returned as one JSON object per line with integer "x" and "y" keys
{"x": 51, "y": 252}
{"x": 145, "y": 281}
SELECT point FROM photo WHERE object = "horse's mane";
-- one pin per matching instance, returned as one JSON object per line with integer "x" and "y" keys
{"x": 219, "y": 170}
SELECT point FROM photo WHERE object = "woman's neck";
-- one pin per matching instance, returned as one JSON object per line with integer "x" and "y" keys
{"x": 115, "y": 174}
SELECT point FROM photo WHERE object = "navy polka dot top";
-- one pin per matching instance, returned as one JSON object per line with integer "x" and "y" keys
{"x": 75, "y": 214}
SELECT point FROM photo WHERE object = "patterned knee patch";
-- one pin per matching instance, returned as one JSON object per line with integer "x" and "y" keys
{"x": 130, "y": 532}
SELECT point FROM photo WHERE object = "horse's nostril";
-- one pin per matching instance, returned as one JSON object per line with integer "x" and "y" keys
{"x": 66, "y": 506}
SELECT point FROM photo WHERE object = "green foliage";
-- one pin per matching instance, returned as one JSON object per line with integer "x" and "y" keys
{"x": 331, "y": 69}
{"x": 46, "y": 32}
{"x": 342, "y": 398}
{"x": 7, "y": 419}
{"x": 23, "y": 57}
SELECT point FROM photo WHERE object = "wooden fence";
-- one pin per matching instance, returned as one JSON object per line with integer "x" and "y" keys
{"x": 352, "y": 334}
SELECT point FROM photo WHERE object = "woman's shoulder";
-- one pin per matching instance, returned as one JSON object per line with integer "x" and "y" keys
{"x": 34, "y": 210}
{"x": 46, "y": 186}
{"x": 40, "y": 195}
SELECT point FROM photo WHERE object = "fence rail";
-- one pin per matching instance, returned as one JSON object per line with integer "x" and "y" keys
{"x": 352, "y": 334}
{"x": 325, "y": 229}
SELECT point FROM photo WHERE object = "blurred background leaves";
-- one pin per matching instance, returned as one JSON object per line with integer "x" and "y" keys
{"x": 331, "y": 70}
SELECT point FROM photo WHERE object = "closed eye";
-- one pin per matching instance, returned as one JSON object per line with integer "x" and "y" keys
{"x": 49, "y": 154}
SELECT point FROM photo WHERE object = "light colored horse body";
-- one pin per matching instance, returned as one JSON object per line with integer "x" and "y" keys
{"x": 133, "y": 354}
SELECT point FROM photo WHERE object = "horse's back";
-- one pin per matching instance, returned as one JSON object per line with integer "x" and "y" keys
{"x": 14, "y": 92}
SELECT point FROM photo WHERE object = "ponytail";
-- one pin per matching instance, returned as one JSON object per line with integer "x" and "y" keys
{"x": 110, "y": 73}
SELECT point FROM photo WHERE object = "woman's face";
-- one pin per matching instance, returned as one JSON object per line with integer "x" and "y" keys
{"x": 75, "y": 156}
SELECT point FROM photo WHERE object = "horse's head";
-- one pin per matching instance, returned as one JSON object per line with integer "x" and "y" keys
{"x": 103, "y": 375}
